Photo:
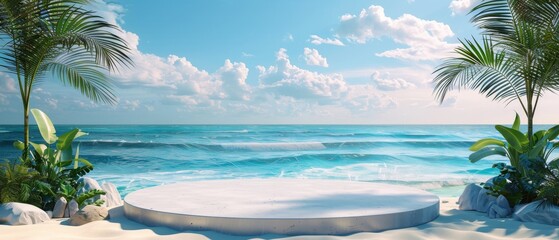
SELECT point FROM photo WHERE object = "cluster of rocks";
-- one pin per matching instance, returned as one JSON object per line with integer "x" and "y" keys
{"x": 22, "y": 214}
{"x": 476, "y": 198}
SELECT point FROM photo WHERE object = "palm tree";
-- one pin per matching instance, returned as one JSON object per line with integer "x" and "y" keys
{"x": 516, "y": 59}
{"x": 59, "y": 39}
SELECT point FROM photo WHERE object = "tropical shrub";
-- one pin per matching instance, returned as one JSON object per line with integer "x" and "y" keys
{"x": 530, "y": 175}
{"x": 18, "y": 183}
{"x": 58, "y": 167}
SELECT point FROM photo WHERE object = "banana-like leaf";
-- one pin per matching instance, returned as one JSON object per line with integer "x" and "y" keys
{"x": 85, "y": 162}
{"x": 542, "y": 143}
{"x": 40, "y": 148}
{"x": 516, "y": 139}
{"x": 19, "y": 145}
{"x": 516, "y": 124}
{"x": 77, "y": 157}
{"x": 48, "y": 132}
{"x": 66, "y": 139}
{"x": 486, "y": 142}
{"x": 63, "y": 164}
{"x": 553, "y": 132}
{"x": 487, "y": 151}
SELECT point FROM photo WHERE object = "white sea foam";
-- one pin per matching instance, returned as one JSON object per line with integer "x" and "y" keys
{"x": 278, "y": 146}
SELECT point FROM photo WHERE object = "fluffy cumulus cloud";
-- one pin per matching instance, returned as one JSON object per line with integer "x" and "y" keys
{"x": 175, "y": 76}
{"x": 313, "y": 58}
{"x": 385, "y": 82}
{"x": 232, "y": 77}
{"x": 364, "y": 98}
{"x": 316, "y": 40}
{"x": 461, "y": 6}
{"x": 289, "y": 80}
{"x": 283, "y": 89}
{"x": 425, "y": 39}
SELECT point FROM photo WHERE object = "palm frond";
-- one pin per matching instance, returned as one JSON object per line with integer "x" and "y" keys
{"x": 482, "y": 67}
{"x": 77, "y": 69}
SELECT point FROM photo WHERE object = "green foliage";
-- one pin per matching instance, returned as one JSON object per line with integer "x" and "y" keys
{"x": 530, "y": 176}
{"x": 511, "y": 184}
{"x": 515, "y": 59}
{"x": 56, "y": 165}
{"x": 59, "y": 39}
{"x": 70, "y": 193}
{"x": 18, "y": 183}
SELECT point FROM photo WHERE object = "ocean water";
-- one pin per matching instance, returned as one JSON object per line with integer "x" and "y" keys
{"x": 132, "y": 157}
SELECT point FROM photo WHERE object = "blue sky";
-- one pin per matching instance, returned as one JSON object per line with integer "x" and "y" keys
{"x": 293, "y": 61}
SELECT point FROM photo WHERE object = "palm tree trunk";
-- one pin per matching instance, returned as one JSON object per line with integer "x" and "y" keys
{"x": 25, "y": 151}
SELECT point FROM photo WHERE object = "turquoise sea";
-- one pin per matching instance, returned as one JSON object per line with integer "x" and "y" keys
{"x": 430, "y": 157}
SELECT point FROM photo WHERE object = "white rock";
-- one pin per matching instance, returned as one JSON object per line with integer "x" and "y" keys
{"x": 533, "y": 212}
{"x": 484, "y": 201}
{"x": 59, "y": 208}
{"x": 49, "y": 213}
{"x": 112, "y": 197}
{"x": 88, "y": 185}
{"x": 500, "y": 208}
{"x": 468, "y": 198}
{"x": 88, "y": 214}
{"x": 72, "y": 208}
{"x": 21, "y": 214}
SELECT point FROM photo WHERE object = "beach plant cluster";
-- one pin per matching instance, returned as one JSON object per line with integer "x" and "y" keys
{"x": 51, "y": 171}
{"x": 63, "y": 39}
{"x": 516, "y": 59}
{"x": 531, "y": 174}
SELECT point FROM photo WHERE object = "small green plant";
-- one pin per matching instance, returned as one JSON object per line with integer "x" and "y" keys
{"x": 18, "y": 183}
{"x": 530, "y": 176}
{"x": 57, "y": 165}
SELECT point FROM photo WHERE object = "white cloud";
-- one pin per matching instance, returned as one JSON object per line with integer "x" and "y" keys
{"x": 284, "y": 90}
{"x": 289, "y": 80}
{"x": 131, "y": 104}
{"x": 313, "y": 58}
{"x": 233, "y": 78}
{"x": 364, "y": 98}
{"x": 425, "y": 38}
{"x": 7, "y": 83}
{"x": 385, "y": 82}
{"x": 244, "y": 54}
{"x": 316, "y": 40}
{"x": 289, "y": 38}
{"x": 461, "y": 6}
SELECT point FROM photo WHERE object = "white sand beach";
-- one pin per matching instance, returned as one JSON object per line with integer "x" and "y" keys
{"x": 451, "y": 224}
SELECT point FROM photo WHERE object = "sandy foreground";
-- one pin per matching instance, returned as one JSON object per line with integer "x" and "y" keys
{"x": 451, "y": 224}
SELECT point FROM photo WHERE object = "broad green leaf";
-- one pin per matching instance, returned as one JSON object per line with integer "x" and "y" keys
{"x": 542, "y": 143}
{"x": 40, "y": 148}
{"x": 63, "y": 163}
{"x": 19, "y": 145}
{"x": 485, "y": 152}
{"x": 65, "y": 141}
{"x": 486, "y": 142}
{"x": 516, "y": 124}
{"x": 77, "y": 157}
{"x": 553, "y": 132}
{"x": 45, "y": 126}
{"x": 539, "y": 135}
{"x": 85, "y": 162}
{"x": 516, "y": 139}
